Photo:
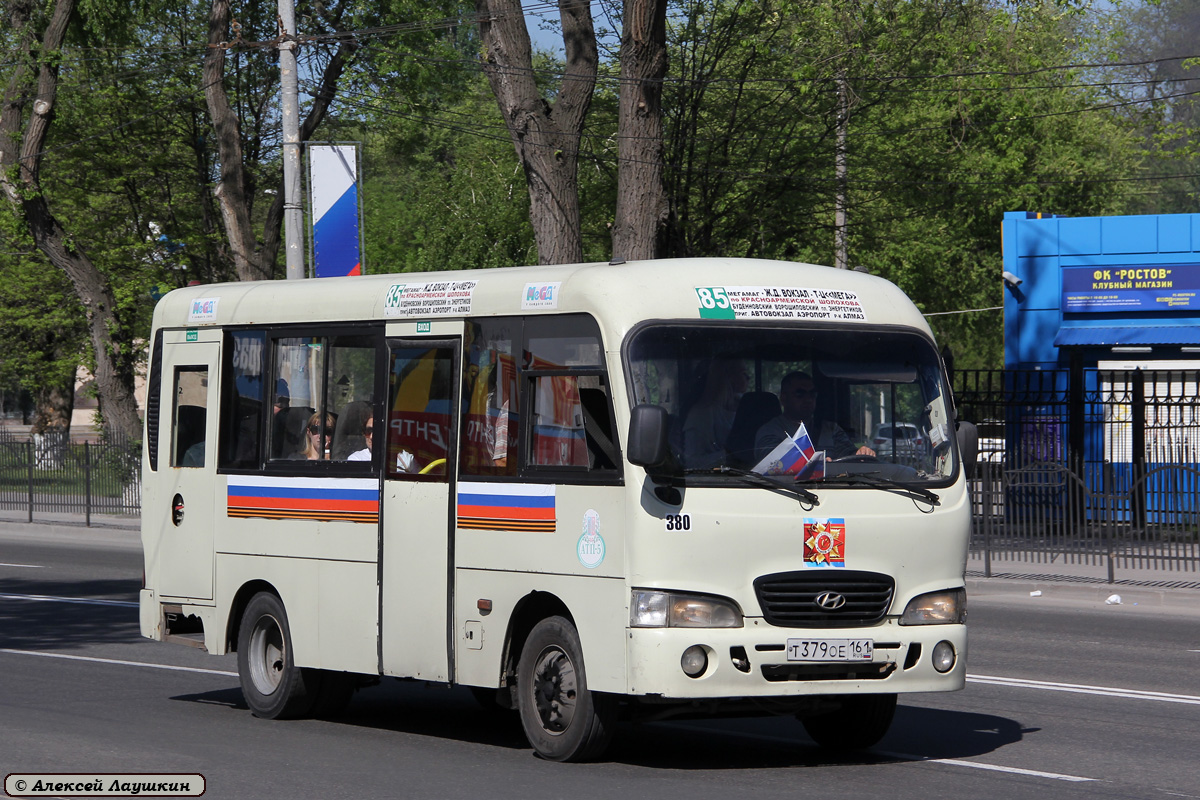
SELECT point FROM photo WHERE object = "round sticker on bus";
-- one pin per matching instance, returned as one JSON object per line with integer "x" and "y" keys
{"x": 590, "y": 547}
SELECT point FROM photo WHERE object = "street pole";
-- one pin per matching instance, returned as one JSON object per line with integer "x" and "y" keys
{"x": 293, "y": 212}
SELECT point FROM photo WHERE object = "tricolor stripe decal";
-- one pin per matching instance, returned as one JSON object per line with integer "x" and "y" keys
{"x": 336, "y": 499}
{"x": 506, "y": 506}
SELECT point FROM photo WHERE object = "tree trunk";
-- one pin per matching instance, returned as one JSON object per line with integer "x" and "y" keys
{"x": 641, "y": 214}
{"x": 22, "y": 142}
{"x": 546, "y": 135}
{"x": 232, "y": 196}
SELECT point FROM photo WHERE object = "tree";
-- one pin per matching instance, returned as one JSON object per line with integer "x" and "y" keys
{"x": 243, "y": 133}
{"x": 641, "y": 210}
{"x": 27, "y": 115}
{"x": 546, "y": 134}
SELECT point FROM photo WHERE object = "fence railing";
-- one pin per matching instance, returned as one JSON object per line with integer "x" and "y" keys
{"x": 49, "y": 474}
{"x": 1086, "y": 466}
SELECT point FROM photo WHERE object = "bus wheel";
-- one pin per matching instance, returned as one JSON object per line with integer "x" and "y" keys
{"x": 862, "y": 721}
{"x": 563, "y": 720}
{"x": 274, "y": 687}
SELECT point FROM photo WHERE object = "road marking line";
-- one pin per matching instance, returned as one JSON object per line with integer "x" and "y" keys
{"x": 1133, "y": 694}
{"x": 957, "y": 762}
{"x": 117, "y": 661}
{"x": 90, "y": 601}
{"x": 26, "y": 566}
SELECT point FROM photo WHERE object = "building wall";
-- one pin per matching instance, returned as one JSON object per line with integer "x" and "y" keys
{"x": 1039, "y": 247}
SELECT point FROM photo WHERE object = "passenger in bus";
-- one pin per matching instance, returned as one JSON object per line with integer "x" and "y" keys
{"x": 709, "y": 421}
{"x": 314, "y": 448}
{"x": 368, "y": 434}
{"x": 798, "y": 396}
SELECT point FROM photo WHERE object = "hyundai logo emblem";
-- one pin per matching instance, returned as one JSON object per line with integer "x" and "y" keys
{"x": 830, "y": 601}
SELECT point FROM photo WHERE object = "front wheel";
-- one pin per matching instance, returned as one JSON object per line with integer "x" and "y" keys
{"x": 862, "y": 720}
{"x": 563, "y": 720}
{"x": 274, "y": 687}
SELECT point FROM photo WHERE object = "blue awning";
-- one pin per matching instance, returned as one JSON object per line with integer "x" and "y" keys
{"x": 1121, "y": 335}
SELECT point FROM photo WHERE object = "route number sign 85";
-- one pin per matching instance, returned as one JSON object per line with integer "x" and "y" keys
{"x": 714, "y": 303}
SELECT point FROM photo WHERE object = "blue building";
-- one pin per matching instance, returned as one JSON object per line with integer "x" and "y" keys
{"x": 1101, "y": 291}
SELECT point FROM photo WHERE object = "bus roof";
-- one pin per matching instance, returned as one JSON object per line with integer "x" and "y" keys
{"x": 618, "y": 295}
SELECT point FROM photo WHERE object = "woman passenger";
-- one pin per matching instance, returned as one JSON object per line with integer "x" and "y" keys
{"x": 314, "y": 448}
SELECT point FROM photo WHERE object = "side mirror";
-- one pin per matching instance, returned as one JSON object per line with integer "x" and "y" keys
{"x": 968, "y": 446}
{"x": 646, "y": 445}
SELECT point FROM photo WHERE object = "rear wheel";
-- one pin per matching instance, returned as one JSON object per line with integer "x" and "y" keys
{"x": 274, "y": 687}
{"x": 563, "y": 720}
{"x": 862, "y": 720}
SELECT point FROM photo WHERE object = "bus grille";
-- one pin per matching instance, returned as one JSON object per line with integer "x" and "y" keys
{"x": 789, "y": 599}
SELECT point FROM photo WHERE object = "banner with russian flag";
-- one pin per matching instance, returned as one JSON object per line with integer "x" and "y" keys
{"x": 329, "y": 499}
{"x": 333, "y": 192}
{"x": 506, "y": 506}
{"x": 795, "y": 456}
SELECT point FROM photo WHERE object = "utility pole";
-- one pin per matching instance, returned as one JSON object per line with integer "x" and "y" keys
{"x": 840, "y": 258}
{"x": 293, "y": 212}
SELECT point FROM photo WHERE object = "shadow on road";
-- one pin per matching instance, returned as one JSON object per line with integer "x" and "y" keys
{"x": 55, "y": 625}
{"x": 416, "y": 709}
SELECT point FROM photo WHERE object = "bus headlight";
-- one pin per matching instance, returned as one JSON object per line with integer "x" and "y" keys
{"x": 936, "y": 608}
{"x": 651, "y": 609}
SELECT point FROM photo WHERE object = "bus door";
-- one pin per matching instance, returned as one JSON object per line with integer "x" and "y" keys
{"x": 418, "y": 520}
{"x": 183, "y": 508}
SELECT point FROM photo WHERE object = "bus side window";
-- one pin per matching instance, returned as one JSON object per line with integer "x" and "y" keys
{"x": 420, "y": 403}
{"x": 244, "y": 397}
{"x": 191, "y": 417}
{"x": 491, "y": 398}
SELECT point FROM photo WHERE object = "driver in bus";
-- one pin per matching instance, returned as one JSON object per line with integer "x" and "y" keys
{"x": 798, "y": 396}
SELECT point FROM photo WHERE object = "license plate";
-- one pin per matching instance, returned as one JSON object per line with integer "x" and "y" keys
{"x": 830, "y": 649}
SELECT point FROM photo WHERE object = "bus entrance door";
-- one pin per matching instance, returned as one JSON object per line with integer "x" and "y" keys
{"x": 182, "y": 505}
{"x": 418, "y": 517}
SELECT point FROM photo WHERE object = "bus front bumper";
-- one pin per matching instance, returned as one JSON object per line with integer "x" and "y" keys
{"x": 753, "y": 661}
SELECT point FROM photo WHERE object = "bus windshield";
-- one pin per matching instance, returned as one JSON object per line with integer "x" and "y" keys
{"x": 819, "y": 404}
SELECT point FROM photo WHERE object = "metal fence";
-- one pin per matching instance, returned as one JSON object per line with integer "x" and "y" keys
{"x": 50, "y": 474}
{"x": 1086, "y": 466}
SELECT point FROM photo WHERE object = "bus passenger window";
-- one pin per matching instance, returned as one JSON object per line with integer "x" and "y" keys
{"x": 350, "y": 394}
{"x": 490, "y": 404}
{"x": 244, "y": 398}
{"x": 191, "y": 417}
{"x": 558, "y": 432}
{"x": 420, "y": 403}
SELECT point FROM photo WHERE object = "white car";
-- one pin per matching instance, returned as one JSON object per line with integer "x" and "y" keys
{"x": 896, "y": 440}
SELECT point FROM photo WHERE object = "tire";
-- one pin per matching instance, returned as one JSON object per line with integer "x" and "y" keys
{"x": 274, "y": 687}
{"x": 861, "y": 722}
{"x": 563, "y": 720}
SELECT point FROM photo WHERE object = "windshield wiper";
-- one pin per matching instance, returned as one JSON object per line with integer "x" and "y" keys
{"x": 758, "y": 479}
{"x": 879, "y": 481}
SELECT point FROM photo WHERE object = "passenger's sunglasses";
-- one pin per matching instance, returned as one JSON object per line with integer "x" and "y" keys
{"x": 317, "y": 429}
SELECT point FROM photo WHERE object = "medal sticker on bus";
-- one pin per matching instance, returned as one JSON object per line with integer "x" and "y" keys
{"x": 825, "y": 542}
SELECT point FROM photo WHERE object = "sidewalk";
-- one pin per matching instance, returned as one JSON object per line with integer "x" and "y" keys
{"x": 1145, "y": 587}
{"x": 73, "y": 519}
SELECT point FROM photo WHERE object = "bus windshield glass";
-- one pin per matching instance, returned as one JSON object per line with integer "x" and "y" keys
{"x": 819, "y": 404}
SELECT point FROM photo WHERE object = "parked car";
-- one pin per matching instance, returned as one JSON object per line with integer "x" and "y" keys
{"x": 898, "y": 440}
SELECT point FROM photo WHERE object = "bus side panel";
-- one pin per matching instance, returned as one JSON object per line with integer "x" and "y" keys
{"x": 599, "y": 606}
{"x": 331, "y": 606}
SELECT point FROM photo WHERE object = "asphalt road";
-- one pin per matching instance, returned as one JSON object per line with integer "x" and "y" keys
{"x": 1067, "y": 698}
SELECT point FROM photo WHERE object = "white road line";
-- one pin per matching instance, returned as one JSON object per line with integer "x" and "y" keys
{"x": 1106, "y": 691}
{"x": 957, "y": 762}
{"x": 117, "y": 661}
{"x": 89, "y": 601}
{"x": 25, "y": 566}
